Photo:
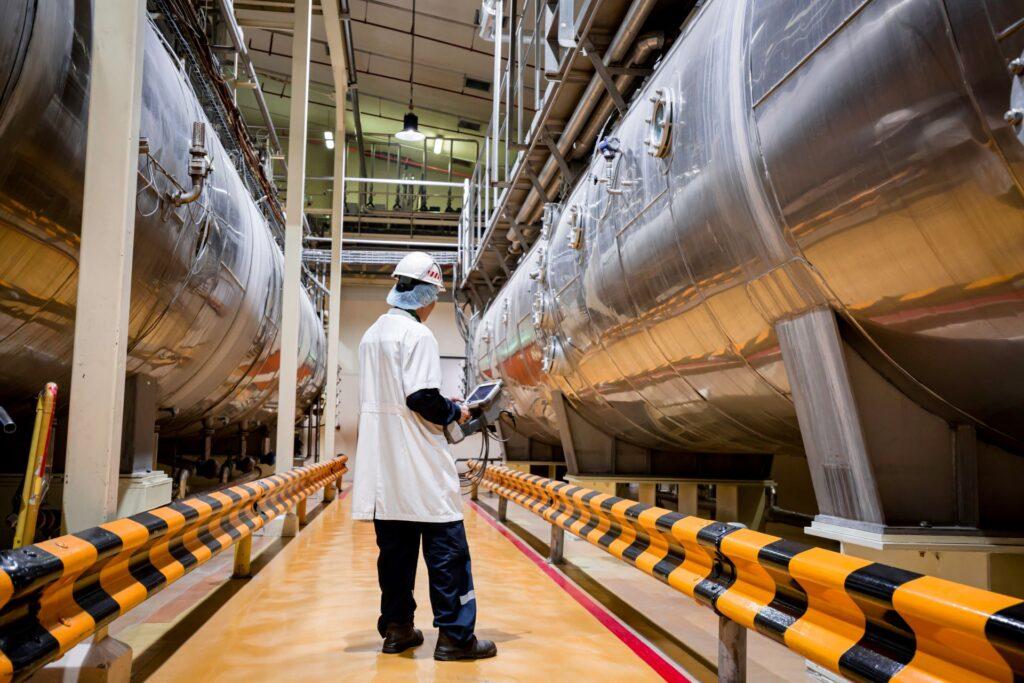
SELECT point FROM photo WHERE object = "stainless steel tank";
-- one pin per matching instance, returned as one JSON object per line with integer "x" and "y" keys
{"x": 786, "y": 154}
{"x": 206, "y": 276}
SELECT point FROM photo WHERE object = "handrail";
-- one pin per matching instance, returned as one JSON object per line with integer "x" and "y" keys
{"x": 863, "y": 620}
{"x": 57, "y": 593}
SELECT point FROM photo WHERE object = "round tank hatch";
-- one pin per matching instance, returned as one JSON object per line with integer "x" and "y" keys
{"x": 659, "y": 124}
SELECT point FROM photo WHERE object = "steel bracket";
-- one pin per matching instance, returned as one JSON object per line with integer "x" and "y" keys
{"x": 501, "y": 258}
{"x": 606, "y": 77}
{"x": 563, "y": 165}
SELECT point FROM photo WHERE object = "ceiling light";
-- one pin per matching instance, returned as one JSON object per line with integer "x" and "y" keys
{"x": 438, "y": 144}
{"x": 328, "y": 139}
{"x": 410, "y": 129}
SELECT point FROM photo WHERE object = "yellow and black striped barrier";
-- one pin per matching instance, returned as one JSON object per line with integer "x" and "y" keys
{"x": 56, "y": 593}
{"x": 863, "y": 620}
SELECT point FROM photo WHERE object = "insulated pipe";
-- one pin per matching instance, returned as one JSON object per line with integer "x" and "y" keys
{"x": 353, "y": 91}
{"x": 624, "y": 37}
{"x": 235, "y": 33}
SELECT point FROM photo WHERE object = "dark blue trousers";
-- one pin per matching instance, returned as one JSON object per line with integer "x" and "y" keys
{"x": 446, "y": 554}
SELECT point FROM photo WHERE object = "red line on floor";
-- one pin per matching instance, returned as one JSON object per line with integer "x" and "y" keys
{"x": 645, "y": 652}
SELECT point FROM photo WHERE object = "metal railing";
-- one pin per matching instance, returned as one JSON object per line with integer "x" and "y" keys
{"x": 518, "y": 93}
{"x": 57, "y": 593}
{"x": 390, "y": 159}
{"x": 365, "y": 257}
{"x": 863, "y": 620}
{"x": 544, "y": 38}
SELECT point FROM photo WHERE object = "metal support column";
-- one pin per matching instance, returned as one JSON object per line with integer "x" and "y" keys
{"x": 105, "y": 264}
{"x": 333, "y": 25}
{"x": 288, "y": 376}
{"x": 556, "y": 548}
{"x": 732, "y": 651}
{"x": 499, "y": 11}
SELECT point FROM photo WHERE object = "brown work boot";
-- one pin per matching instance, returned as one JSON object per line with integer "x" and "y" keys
{"x": 448, "y": 650}
{"x": 401, "y": 637}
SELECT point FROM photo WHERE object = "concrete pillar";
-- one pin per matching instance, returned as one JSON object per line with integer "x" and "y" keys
{"x": 142, "y": 486}
{"x": 332, "y": 24}
{"x": 105, "y": 264}
{"x": 288, "y": 375}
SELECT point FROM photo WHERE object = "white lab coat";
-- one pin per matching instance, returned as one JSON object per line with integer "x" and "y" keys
{"x": 404, "y": 468}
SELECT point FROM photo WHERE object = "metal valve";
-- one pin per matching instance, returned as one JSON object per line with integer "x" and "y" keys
{"x": 199, "y": 166}
{"x": 575, "y": 228}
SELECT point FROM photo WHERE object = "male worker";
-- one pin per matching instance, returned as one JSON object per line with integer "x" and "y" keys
{"x": 405, "y": 475}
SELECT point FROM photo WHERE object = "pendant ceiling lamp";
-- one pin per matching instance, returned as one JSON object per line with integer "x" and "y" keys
{"x": 411, "y": 123}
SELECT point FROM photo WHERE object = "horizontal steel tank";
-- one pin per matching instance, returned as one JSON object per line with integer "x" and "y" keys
{"x": 206, "y": 276}
{"x": 786, "y": 155}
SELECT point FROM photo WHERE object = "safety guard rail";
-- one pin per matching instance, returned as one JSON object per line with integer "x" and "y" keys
{"x": 863, "y": 620}
{"x": 57, "y": 593}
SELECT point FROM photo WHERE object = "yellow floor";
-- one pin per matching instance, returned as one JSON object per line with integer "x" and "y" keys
{"x": 310, "y": 615}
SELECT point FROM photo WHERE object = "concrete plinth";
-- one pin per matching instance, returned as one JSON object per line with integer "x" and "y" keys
{"x": 106, "y": 661}
{"x": 139, "y": 492}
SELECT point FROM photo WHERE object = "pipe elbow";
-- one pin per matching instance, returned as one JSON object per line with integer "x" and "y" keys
{"x": 181, "y": 198}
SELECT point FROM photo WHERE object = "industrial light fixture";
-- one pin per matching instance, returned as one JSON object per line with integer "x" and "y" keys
{"x": 411, "y": 123}
{"x": 438, "y": 144}
{"x": 410, "y": 127}
{"x": 328, "y": 139}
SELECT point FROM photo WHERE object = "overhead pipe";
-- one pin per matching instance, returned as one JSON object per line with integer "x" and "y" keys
{"x": 353, "y": 90}
{"x": 227, "y": 10}
{"x": 7, "y": 425}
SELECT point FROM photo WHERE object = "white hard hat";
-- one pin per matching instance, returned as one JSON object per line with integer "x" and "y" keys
{"x": 419, "y": 265}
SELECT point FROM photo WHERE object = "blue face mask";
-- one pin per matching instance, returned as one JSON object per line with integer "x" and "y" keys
{"x": 420, "y": 295}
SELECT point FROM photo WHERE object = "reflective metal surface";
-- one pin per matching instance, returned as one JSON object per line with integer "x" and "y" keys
{"x": 847, "y": 153}
{"x": 206, "y": 279}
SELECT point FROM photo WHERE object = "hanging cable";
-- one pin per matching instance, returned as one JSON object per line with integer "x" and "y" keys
{"x": 412, "y": 51}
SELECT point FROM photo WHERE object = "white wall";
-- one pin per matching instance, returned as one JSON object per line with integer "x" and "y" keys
{"x": 362, "y": 302}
